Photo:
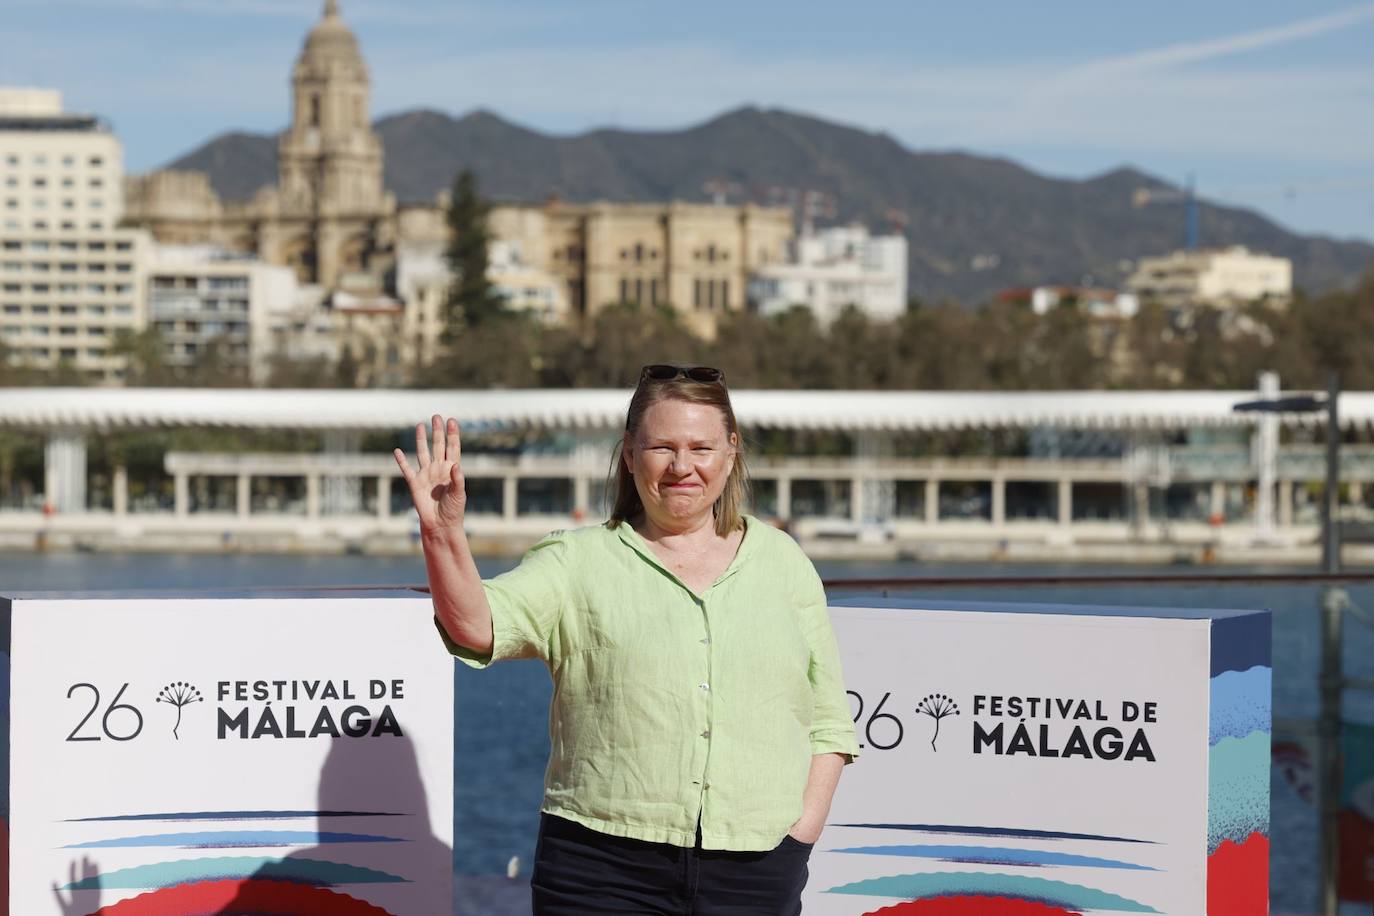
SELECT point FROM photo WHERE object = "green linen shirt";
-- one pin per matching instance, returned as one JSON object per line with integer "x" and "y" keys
{"x": 669, "y": 706}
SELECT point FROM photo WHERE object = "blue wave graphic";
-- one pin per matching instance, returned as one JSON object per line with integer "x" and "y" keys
{"x": 230, "y": 816}
{"x": 235, "y": 839}
{"x": 168, "y": 874}
{"x": 1017, "y": 887}
{"x": 1241, "y": 703}
{"x": 995, "y": 855}
{"x": 997, "y": 831}
{"x": 1238, "y": 789}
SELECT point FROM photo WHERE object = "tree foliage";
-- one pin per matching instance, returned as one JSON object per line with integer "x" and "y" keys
{"x": 471, "y": 300}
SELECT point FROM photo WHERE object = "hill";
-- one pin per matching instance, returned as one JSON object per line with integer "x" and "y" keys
{"x": 976, "y": 224}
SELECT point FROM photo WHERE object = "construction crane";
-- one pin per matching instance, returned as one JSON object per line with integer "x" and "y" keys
{"x": 1143, "y": 197}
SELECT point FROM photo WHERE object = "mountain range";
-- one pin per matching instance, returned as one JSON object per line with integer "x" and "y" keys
{"x": 975, "y": 224}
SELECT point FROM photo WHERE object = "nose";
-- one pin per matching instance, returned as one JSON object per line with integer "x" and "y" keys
{"x": 681, "y": 463}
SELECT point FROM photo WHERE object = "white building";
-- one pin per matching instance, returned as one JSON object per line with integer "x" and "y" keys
{"x": 202, "y": 298}
{"x": 1217, "y": 277}
{"x": 524, "y": 287}
{"x": 833, "y": 269}
{"x": 69, "y": 279}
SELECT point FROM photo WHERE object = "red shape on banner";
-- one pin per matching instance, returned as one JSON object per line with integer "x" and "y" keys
{"x": 1355, "y": 875}
{"x": 979, "y": 905}
{"x": 1238, "y": 878}
{"x": 255, "y": 895}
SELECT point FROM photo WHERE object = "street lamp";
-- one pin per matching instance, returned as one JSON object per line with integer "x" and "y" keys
{"x": 1334, "y": 601}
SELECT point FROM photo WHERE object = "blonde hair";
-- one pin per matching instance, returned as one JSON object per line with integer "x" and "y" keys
{"x": 729, "y": 505}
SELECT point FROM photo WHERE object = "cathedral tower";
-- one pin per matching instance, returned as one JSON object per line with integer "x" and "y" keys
{"x": 330, "y": 161}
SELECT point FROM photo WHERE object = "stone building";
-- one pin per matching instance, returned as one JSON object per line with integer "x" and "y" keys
{"x": 331, "y": 221}
{"x": 328, "y": 217}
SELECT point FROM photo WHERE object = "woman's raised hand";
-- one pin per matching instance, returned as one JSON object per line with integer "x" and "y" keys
{"x": 437, "y": 487}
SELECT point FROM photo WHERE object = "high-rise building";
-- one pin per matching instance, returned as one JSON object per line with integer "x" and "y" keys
{"x": 70, "y": 280}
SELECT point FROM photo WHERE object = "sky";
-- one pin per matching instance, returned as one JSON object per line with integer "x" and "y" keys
{"x": 1265, "y": 104}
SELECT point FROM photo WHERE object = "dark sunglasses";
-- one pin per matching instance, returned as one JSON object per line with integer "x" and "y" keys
{"x": 661, "y": 372}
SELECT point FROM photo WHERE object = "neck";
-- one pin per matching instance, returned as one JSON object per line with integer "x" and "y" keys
{"x": 678, "y": 531}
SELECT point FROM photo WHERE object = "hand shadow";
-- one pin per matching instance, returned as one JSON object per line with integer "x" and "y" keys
{"x": 387, "y": 773}
{"x": 85, "y": 900}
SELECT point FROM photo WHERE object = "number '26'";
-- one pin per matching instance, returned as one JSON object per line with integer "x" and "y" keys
{"x": 105, "y": 723}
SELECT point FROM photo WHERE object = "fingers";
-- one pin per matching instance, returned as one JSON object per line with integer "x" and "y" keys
{"x": 400, "y": 457}
{"x": 421, "y": 446}
{"x": 436, "y": 423}
{"x": 454, "y": 446}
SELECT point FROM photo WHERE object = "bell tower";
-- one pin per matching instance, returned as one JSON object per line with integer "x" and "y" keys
{"x": 329, "y": 161}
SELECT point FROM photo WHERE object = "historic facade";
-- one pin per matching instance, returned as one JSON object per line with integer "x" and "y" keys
{"x": 330, "y": 219}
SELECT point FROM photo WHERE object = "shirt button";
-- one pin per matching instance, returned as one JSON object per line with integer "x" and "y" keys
{"x": 704, "y": 686}
{"x": 706, "y": 734}
{"x": 706, "y": 641}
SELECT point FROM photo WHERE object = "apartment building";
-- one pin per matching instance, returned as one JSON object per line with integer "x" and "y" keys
{"x": 70, "y": 279}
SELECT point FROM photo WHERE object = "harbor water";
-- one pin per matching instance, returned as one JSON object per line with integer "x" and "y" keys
{"x": 501, "y": 744}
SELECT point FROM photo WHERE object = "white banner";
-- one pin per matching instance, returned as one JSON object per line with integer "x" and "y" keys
{"x": 182, "y": 755}
{"x": 1019, "y": 760}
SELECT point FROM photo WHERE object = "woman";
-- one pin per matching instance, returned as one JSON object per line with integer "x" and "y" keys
{"x": 699, "y": 721}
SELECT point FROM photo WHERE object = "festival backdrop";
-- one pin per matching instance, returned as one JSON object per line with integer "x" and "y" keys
{"x": 1040, "y": 760}
{"x": 179, "y": 755}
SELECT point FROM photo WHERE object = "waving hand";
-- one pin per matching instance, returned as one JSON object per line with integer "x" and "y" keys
{"x": 437, "y": 487}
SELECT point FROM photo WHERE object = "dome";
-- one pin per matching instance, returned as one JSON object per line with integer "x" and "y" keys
{"x": 330, "y": 41}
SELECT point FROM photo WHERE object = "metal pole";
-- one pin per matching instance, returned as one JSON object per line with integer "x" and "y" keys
{"x": 1333, "y": 606}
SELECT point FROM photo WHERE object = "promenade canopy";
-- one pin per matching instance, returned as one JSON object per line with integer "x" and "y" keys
{"x": 601, "y": 409}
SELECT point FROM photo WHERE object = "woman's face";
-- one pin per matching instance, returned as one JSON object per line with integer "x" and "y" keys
{"x": 681, "y": 458}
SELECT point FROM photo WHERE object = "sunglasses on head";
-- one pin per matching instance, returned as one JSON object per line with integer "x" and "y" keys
{"x": 662, "y": 372}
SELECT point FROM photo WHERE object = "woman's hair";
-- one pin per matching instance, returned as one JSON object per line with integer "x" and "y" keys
{"x": 730, "y": 503}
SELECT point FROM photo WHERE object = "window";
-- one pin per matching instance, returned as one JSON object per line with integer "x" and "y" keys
{"x": 11, "y": 160}
{"x": 96, "y": 162}
{"x": 39, "y": 267}
{"x": 40, "y": 182}
{"x": 67, "y": 267}
{"x": 68, "y": 288}
{"x": 12, "y": 287}
{"x": 96, "y": 268}
{"x": 96, "y": 203}
{"x": 66, "y": 330}
{"x": 12, "y": 203}
{"x": 97, "y": 182}
{"x": 11, "y": 309}
{"x": 11, "y": 182}
{"x": 97, "y": 310}
{"x": 123, "y": 246}
{"x": 96, "y": 288}
{"x": 40, "y": 330}
{"x": 95, "y": 246}
{"x": 66, "y": 353}
{"x": 41, "y": 225}
{"x": 96, "y": 352}
{"x": 68, "y": 203}
{"x": 67, "y": 245}
{"x": 123, "y": 308}
{"x": 40, "y": 159}
{"x": 96, "y": 225}
{"x": 40, "y": 309}
{"x": 68, "y": 183}
{"x": 40, "y": 203}
{"x": 68, "y": 225}
{"x": 12, "y": 330}
{"x": 38, "y": 246}
{"x": 68, "y": 161}
{"x": 123, "y": 267}
{"x": 95, "y": 331}
{"x": 66, "y": 310}
{"x": 12, "y": 245}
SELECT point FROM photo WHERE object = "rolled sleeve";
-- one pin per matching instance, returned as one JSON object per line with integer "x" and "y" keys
{"x": 832, "y": 728}
{"x": 526, "y": 604}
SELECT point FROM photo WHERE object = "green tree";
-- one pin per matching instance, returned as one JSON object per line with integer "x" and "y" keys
{"x": 471, "y": 300}
{"x": 145, "y": 353}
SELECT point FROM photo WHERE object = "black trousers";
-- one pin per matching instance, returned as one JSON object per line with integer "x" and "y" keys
{"x": 579, "y": 871}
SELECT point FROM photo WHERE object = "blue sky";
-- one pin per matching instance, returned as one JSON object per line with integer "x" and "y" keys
{"x": 1269, "y": 105}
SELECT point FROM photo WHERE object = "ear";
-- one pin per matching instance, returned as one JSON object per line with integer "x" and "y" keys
{"x": 627, "y": 453}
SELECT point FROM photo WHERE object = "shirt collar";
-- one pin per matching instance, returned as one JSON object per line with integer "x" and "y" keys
{"x": 636, "y": 542}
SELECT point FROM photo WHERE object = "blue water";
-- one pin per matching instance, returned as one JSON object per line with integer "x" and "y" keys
{"x": 501, "y": 745}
